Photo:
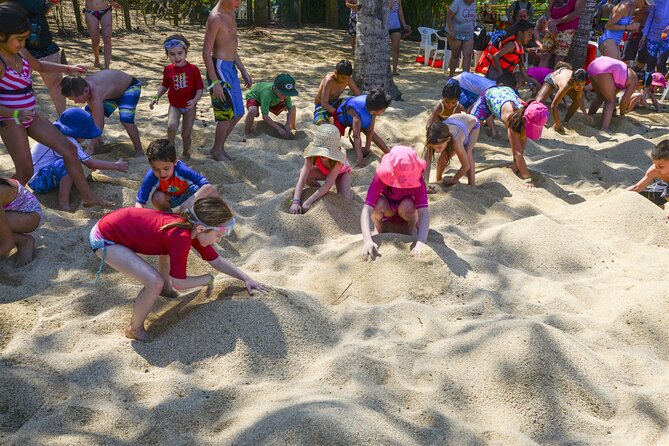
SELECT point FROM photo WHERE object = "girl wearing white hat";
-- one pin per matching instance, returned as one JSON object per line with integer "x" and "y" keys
{"x": 324, "y": 160}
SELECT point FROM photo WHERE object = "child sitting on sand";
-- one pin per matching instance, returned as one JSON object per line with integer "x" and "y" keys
{"x": 359, "y": 113}
{"x": 275, "y": 97}
{"x": 20, "y": 213}
{"x": 50, "y": 170}
{"x": 657, "y": 192}
{"x": 173, "y": 183}
{"x": 329, "y": 91}
{"x": 120, "y": 235}
{"x": 183, "y": 83}
{"x": 456, "y": 135}
{"x": 649, "y": 84}
{"x": 448, "y": 105}
{"x": 522, "y": 121}
{"x": 104, "y": 92}
{"x": 397, "y": 194}
{"x": 325, "y": 160}
{"x": 564, "y": 82}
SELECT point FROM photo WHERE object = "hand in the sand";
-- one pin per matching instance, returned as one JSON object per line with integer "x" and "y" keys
{"x": 252, "y": 285}
{"x": 589, "y": 119}
{"x": 431, "y": 189}
{"x": 369, "y": 250}
{"x": 121, "y": 166}
{"x": 283, "y": 134}
{"x": 98, "y": 202}
{"x": 450, "y": 181}
{"x": 295, "y": 208}
{"x": 418, "y": 249}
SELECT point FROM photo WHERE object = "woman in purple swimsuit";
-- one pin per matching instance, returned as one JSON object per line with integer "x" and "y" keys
{"x": 99, "y": 21}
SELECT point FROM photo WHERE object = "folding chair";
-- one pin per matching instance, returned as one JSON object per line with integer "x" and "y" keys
{"x": 427, "y": 43}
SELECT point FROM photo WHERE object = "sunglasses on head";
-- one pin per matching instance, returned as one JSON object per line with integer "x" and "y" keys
{"x": 174, "y": 43}
{"x": 225, "y": 229}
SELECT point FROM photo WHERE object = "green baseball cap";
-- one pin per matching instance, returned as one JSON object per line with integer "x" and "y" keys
{"x": 285, "y": 84}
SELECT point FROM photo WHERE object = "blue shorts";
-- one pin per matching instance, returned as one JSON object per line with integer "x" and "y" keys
{"x": 126, "y": 104}
{"x": 467, "y": 98}
{"x": 234, "y": 103}
{"x": 321, "y": 115}
{"x": 656, "y": 47}
{"x": 48, "y": 178}
{"x": 96, "y": 240}
{"x": 177, "y": 200}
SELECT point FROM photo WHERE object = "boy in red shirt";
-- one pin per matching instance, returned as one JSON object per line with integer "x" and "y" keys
{"x": 183, "y": 83}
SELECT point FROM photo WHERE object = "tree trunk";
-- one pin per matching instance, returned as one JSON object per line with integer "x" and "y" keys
{"x": 77, "y": 16}
{"x": 372, "y": 49}
{"x": 579, "y": 46}
{"x": 261, "y": 12}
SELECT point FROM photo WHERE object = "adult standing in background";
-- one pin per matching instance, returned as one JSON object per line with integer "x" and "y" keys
{"x": 98, "y": 17}
{"x": 352, "y": 20}
{"x": 460, "y": 21}
{"x": 41, "y": 46}
{"x": 654, "y": 44}
{"x": 396, "y": 27}
{"x": 563, "y": 17}
{"x": 633, "y": 39}
{"x": 515, "y": 7}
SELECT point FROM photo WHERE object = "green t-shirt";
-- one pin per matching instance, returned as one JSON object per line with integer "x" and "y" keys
{"x": 264, "y": 93}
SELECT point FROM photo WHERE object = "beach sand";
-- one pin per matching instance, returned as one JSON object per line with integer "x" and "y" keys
{"x": 535, "y": 317}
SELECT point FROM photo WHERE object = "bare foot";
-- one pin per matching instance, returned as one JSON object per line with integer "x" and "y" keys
{"x": 25, "y": 251}
{"x": 168, "y": 292}
{"x": 98, "y": 202}
{"x": 139, "y": 334}
{"x": 513, "y": 167}
{"x": 221, "y": 155}
{"x": 65, "y": 207}
{"x": 185, "y": 156}
{"x": 97, "y": 65}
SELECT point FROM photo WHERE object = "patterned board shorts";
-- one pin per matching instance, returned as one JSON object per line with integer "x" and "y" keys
{"x": 25, "y": 202}
{"x": 126, "y": 104}
{"x": 657, "y": 193}
{"x": 178, "y": 200}
{"x": 321, "y": 115}
{"x": 48, "y": 178}
{"x": 558, "y": 43}
{"x": 655, "y": 47}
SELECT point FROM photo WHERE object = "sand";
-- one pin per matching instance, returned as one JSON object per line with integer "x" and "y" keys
{"x": 535, "y": 317}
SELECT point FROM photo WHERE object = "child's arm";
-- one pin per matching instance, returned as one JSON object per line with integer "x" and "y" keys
{"x": 518, "y": 149}
{"x": 375, "y": 138}
{"x": 324, "y": 189}
{"x": 656, "y": 104}
{"x": 369, "y": 248}
{"x": 148, "y": 183}
{"x": 98, "y": 113}
{"x": 282, "y": 131}
{"x": 325, "y": 96}
{"x": 93, "y": 164}
{"x": 434, "y": 115}
{"x": 248, "y": 81}
{"x": 231, "y": 270}
{"x": 532, "y": 83}
{"x": 353, "y": 87}
{"x": 193, "y": 102}
{"x": 498, "y": 55}
{"x": 296, "y": 206}
{"x": 554, "y": 108}
{"x": 154, "y": 100}
{"x": 648, "y": 178}
{"x": 357, "y": 140}
{"x": 51, "y": 67}
{"x": 423, "y": 229}
{"x": 464, "y": 163}
{"x": 428, "y": 166}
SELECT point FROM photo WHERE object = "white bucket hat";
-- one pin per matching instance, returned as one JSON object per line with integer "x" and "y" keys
{"x": 326, "y": 144}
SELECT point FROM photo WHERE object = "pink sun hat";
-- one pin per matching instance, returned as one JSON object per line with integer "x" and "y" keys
{"x": 536, "y": 115}
{"x": 401, "y": 168}
{"x": 658, "y": 80}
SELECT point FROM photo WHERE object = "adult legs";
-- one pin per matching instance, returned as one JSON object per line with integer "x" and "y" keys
{"x": 610, "y": 48}
{"x": 106, "y": 25}
{"x": 52, "y": 82}
{"x": 94, "y": 30}
{"x": 130, "y": 264}
{"x": 395, "y": 50}
{"x": 456, "y": 48}
{"x": 467, "y": 49}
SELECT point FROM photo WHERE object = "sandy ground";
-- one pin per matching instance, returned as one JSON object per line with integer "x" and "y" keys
{"x": 536, "y": 317}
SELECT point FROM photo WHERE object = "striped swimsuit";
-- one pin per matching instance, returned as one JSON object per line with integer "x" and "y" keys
{"x": 16, "y": 90}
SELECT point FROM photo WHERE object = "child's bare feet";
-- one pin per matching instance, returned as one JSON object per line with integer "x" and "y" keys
{"x": 64, "y": 207}
{"x": 221, "y": 155}
{"x": 25, "y": 248}
{"x": 169, "y": 292}
{"x": 185, "y": 156}
{"x": 139, "y": 334}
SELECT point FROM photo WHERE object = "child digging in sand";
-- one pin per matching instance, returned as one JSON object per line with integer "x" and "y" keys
{"x": 20, "y": 213}
{"x": 219, "y": 52}
{"x": 273, "y": 97}
{"x": 121, "y": 235}
{"x": 50, "y": 170}
{"x": 657, "y": 192}
{"x": 183, "y": 83}
{"x": 397, "y": 195}
{"x": 457, "y": 135}
{"x": 104, "y": 92}
{"x": 329, "y": 91}
{"x": 174, "y": 184}
{"x": 18, "y": 116}
{"x": 608, "y": 76}
{"x": 325, "y": 160}
{"x": 448, "y": 105}
{"x": 359, "y": 113}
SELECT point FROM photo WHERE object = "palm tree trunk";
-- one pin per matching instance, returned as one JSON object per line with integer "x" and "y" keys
{"x": 579, "y": 46}
{"x": 372, "y": 49}
{"x": 77, "y": 16}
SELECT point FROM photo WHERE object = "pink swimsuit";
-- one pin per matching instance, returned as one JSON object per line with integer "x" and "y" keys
{"x": 325, "y": 171}
{"x": 16, "y": 90}
{"x": 608, "y": 65}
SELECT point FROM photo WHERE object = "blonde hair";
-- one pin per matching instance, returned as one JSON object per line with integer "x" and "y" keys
{"x": 437, "y": 134}
{"x": 212, "y": 211}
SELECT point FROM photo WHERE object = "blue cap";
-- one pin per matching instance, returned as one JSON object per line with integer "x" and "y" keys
{"x": 77, "y": 123}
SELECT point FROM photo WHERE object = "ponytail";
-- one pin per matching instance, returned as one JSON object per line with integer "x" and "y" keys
{"x": 437, "y": 134}
{"x": 208, "y": 211}
{"x": 516, "y": 120}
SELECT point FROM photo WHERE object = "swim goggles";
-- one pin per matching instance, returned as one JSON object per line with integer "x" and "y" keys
{"x": 173, "y": 43}
{"x": 225, "y": 229}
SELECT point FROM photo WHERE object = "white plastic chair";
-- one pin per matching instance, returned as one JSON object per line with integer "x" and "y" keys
{"x": 446, "y": 52}
{"x": 427, "y": 43}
